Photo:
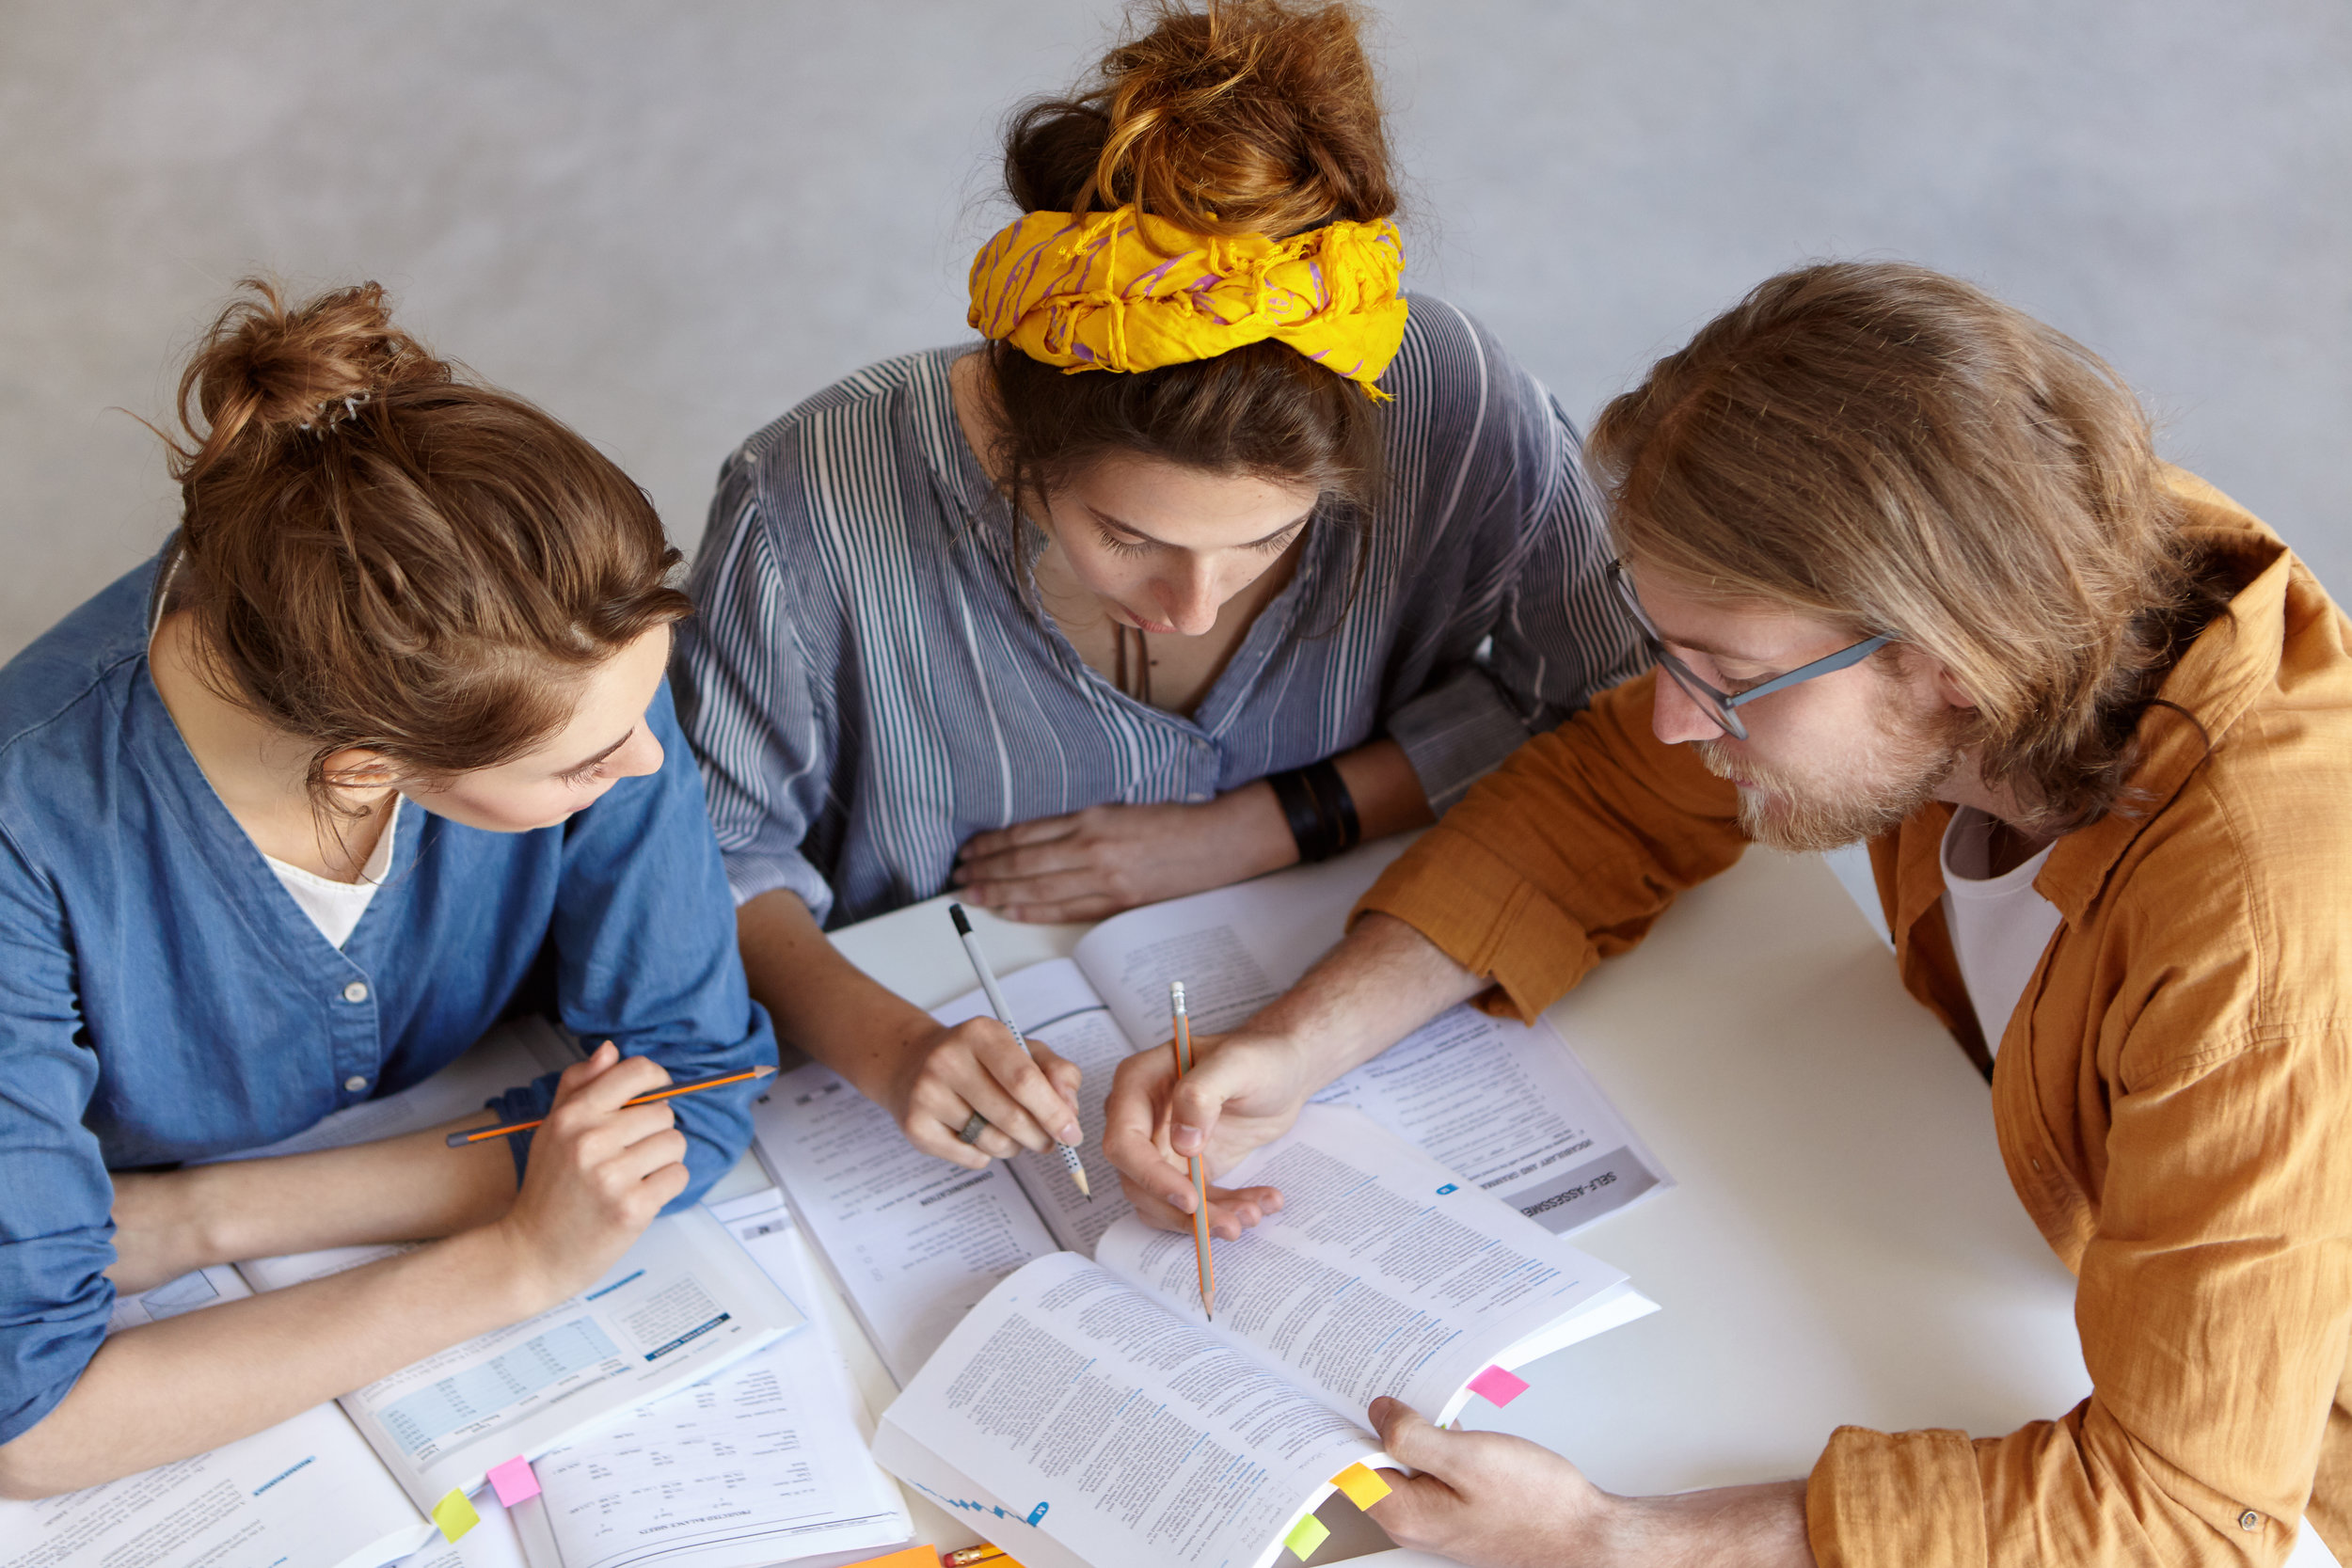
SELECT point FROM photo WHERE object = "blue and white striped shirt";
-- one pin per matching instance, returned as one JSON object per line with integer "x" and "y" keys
{"x": 867, "y": 684}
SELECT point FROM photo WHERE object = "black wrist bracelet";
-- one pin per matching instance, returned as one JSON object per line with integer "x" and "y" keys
{"x": 1313, "y": 832}
{"x": 1338, "y": 807}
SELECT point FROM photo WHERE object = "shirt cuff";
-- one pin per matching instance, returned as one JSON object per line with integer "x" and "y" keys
{"x": 753, "y": 872}
{"x": 1484, "y": 916}
{"x": 1905, "y": 1499}
{"x": 48, "y": 1359}
{"x": 1456, "y": 733}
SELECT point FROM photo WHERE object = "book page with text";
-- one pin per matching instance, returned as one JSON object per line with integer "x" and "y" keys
{"x": 1511, "y": 1109}
{"x": 764, "y": 1462}
{"x": 681, "y": 1303}
{"x": 1508, "y": 1106}
{"x": 1092, "y": 1414}
{"x": 1236, "y": 948}
{"x": 911, "y": 1240}
{"x": 1054, "y": 1006}
{"x": 308, "y": 1490}
{"x": 1382, "y": 1273}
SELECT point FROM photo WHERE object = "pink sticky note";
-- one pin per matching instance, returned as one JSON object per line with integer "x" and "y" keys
{"x": 1494, "y": 1384}
{"x": 514, "y": 1480}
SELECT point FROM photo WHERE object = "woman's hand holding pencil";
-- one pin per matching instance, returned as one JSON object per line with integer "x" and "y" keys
{"x": 471, "y": 1135}
{"x": 981, "y": 1120}
{"x": 600, "y": 1169}
{"x": 1027, "y": 1098}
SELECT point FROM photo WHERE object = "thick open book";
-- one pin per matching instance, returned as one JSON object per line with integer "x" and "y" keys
{"x": 1093, "y": 1418}
{"x": 915, "y": 1241}
{"x": 351, "y": 1484}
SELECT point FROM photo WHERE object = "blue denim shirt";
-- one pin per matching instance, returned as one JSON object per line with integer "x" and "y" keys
{"x": 163, "y": 998}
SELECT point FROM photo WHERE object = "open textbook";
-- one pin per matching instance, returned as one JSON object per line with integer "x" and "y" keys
{"x": 350, "y": 1485}
{"x": 305, "y": 1491}
{"x": 765, "y": 1462}
{"x": 1091, "y": 1418}
{"x": 915, "y": 1241}
{"x": 683, "y": 1303}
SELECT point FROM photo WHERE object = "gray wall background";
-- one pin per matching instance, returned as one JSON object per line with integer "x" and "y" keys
{"x": 669, "y": 223}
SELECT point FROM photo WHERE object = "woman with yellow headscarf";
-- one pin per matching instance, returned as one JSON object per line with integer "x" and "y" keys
{"x": 1218, "y": 552}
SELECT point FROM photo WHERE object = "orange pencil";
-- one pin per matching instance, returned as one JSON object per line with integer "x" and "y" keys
{"x": 1201, "y": 1258}
{"x": 460, "y": 1140}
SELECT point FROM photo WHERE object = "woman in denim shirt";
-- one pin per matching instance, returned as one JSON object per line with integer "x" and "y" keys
{"x": 377, "y": 751}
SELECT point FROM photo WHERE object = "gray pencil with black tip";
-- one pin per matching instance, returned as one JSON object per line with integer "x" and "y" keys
{"x": 1003, "y": 1015}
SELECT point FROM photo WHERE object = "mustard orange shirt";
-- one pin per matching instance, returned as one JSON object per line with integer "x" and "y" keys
{"x": 2172, "y": 1094}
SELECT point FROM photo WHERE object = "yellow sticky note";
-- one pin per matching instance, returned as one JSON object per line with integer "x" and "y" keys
{"x": 1306, "y": 1536}
{"x": 1362, "y": 1485}
{"x": 454, "y": 1515}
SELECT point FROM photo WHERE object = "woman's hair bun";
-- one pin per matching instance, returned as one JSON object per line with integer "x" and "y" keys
{"x": 266, "y": 370}
{"x": 1244, "y": 117}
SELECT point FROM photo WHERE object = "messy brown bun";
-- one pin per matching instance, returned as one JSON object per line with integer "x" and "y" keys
{"x": 379, "y": 552}
{"x": 265, "y": 372}
{"x": 1248, "y": 116}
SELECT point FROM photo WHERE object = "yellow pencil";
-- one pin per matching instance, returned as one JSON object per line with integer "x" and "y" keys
{"x": 460, "y": 1140}
{"x": 965, "y": 1557}
{"x": 1199, "y": 1176}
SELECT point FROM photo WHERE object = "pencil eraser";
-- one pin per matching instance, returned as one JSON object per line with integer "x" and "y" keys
{"x": 1306, "y": 1536}
{"x": 514, "y": 1480}
{"x": 1497, "y": 1387}
{"x": 454, "y": 1515}
{"x": 1362, "y": 1485}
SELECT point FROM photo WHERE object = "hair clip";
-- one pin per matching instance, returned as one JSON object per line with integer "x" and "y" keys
{"x": 326, "y": 418}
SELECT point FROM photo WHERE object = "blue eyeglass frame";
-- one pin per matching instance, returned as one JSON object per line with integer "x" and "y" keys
{"x": 1717, "y": 705}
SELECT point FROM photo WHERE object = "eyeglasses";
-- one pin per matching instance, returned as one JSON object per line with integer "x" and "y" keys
{"x": 1718, "y": 704}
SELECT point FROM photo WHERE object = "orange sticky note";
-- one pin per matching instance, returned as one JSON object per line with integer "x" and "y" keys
{"x": 454, "y": 1515}
{"x": 1362, "y": 1485}
{"x": 912, "y": 1557}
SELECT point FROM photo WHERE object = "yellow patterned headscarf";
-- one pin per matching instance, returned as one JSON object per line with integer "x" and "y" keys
{"x": 1125, "y": 290}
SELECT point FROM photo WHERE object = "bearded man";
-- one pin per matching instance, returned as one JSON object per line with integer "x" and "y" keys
{"x": 1910, "y": 570}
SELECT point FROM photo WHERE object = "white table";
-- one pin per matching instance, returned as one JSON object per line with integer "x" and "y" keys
{"x": 1843, "y": 1245}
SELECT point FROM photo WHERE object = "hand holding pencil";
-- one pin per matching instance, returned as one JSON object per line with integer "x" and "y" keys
{"x": 1144, "y": 1135}
{"x": 480, "y": 1134}
{"x": 979, "y": 1122}
{"x": 600, "y": 1169}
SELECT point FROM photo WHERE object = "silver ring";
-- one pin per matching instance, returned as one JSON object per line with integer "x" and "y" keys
{"x": 973, "y": 1129}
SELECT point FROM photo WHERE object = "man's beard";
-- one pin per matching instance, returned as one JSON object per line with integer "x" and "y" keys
{"x": 1909, "y": 758}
